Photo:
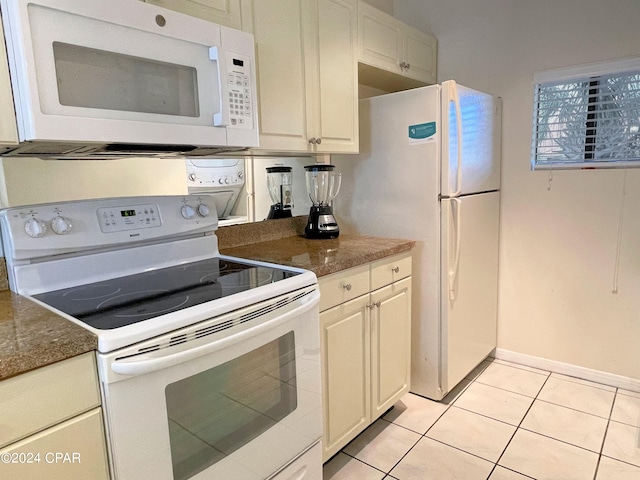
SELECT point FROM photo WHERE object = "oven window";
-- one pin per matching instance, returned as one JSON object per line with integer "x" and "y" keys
{"x": 216, "y": 412}
{"x": 91, "y": 78}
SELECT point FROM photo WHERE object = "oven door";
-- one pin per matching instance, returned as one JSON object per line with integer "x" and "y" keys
{"x": 128, "y": 72}
{"x": 238, "y": 396}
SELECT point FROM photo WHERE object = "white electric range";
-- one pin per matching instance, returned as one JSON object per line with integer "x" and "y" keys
{"x": 209, "y": 365}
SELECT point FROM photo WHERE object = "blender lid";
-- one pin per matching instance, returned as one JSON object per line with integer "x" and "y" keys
{"x": 319, "y": 167}
{"x": 278, "y": 169}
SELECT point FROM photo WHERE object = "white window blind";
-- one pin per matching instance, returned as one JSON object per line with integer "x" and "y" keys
{"x": 587, "y": 116}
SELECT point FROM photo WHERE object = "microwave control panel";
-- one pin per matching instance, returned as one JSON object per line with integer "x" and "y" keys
{"x": 241, "y": 110}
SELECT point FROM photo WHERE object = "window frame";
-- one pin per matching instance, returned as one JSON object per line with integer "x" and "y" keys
{"x": 590, "y": 73}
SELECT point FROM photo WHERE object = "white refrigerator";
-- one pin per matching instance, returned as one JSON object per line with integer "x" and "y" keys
{"x": 429, "y": 170}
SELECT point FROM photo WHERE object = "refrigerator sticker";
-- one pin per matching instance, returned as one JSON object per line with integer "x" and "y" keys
{"x": 422, "y": 133}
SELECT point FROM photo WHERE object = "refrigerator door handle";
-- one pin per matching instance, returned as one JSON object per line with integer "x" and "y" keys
{"x": 456, "y": 103}
{"x": 456, "y": 214}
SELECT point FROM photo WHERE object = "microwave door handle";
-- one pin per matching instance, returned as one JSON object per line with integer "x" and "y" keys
{"x": 221, "y": 118}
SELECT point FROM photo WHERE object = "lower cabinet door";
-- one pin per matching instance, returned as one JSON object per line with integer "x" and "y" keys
{"x": 390, "y": 345}
{"x": 72, "y": 450}
{"x": 345, "y": 343}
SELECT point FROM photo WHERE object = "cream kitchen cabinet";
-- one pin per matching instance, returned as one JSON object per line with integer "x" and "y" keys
{"x": 223, "y": 12}
{"x": 8, "y": 132}
{"x": 386, "y": 44}
{"x": 365, "y": 322}
{"x": 52, "y": 423}
{"x": 307, "y": 74}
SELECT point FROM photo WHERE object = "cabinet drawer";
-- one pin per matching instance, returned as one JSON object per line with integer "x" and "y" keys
{"x": 74, "y": 449}
{"x": 343, "y": 286}
{"x": 390, "y": 269}
{"x": 35, "y": 400}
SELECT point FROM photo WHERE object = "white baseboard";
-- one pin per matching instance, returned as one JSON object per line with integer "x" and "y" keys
{"x": 597, "y": 376}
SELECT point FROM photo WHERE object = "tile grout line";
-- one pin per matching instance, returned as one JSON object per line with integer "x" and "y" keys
{"x": 585, "y": 383}
{"x": 523, "y": 368}
{"x": 606, "y": 432}
{"x": 449, "y": 406}
{"x": 573, "y": 409}
{"x": 405, "y": 454}
{"x": 474, "y": 380}
{"x": 363, "y": 462}
{"x": 487, "y": 416}
{"x": 558, "y": 440}
{"x": 510, "y": 391}
{"x": 519, "y": 426}
{"x": 621, "y": 461}
{"x": 423, "y": 434}
{"x": 616, "y": 392}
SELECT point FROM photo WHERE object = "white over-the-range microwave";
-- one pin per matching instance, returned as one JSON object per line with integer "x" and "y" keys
{"x": 116, "y": 78}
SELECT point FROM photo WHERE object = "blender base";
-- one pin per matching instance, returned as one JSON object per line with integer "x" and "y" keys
{"x": 322, "y": 224}
{"x": 278, "y": 211}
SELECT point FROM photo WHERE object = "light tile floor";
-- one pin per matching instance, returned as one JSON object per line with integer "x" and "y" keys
{"x": 504, "y": 422}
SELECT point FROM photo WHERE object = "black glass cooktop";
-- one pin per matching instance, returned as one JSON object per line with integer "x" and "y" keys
{"x": 126, "y": 300}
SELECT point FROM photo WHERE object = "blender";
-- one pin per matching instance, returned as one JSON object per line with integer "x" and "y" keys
{"x": 322, "y": 185}
{"x": 279, "y": 182}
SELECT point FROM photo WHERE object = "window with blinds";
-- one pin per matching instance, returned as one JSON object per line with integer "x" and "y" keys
{"x": 587, "y": 116}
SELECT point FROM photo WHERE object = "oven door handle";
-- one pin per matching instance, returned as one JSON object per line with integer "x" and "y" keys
{"x": 148, "y": 365}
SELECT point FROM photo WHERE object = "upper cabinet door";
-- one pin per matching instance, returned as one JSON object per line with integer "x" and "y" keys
{"x": 223, "y": 12}
{"x": 388, "y": 44}
{"x": 8, "y": 131}
{"x": 380, "y": 39}
{"x": 307, "y": 74}
{"x": 335, "y": 119}
{"x": 277, "y": 26}
{"x": 420, "y": 55}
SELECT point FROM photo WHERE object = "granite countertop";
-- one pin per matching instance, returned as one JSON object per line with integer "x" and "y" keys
{"x": 322, "y": 257}
{"x": 32, "y": 336}
{"x": 282, "y": 241}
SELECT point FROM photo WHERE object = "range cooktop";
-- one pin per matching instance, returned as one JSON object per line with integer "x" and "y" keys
{"x": 131, "y": 299}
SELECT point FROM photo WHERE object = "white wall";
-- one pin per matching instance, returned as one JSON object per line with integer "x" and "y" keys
{"x": 26, "y": 181}
{"x": 559, "y": 238}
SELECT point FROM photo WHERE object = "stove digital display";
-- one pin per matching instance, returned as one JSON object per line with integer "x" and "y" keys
{"x": 128, "y": 213}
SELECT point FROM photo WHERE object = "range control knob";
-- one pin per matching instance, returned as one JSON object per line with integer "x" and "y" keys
{"x": 61, "y": 225}
{"x": 35, "y": 227}
{"x": 203, "y": 210}
{"x": 187, "y": 211}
